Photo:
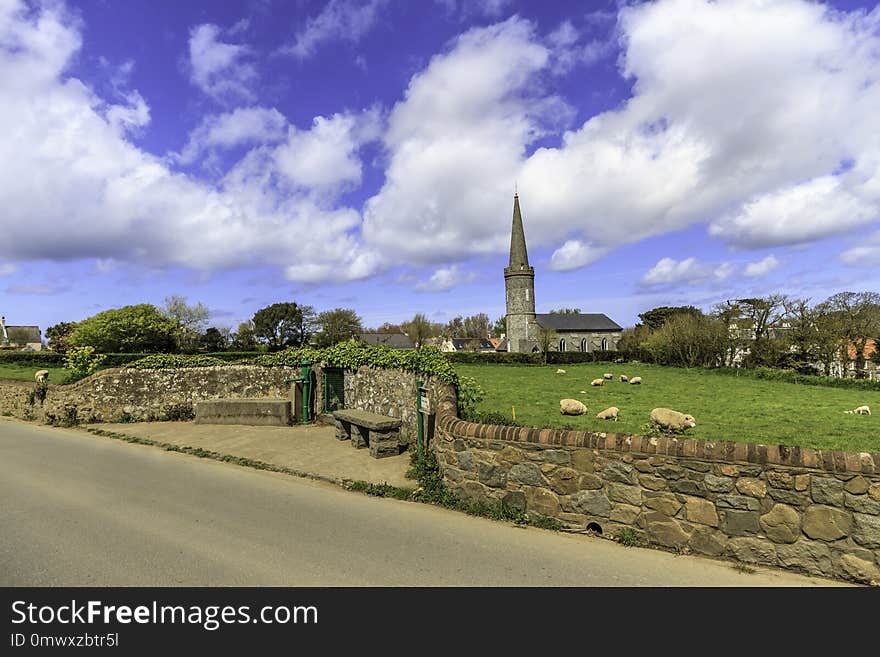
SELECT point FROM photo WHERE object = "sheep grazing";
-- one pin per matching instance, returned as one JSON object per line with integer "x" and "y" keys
{"x": 560, "y": 371}
{"x": 609, "y": 413}
{"x": 672, "y": 421}
{"x": 608, "y": 376}
{"x": 861, "y": 410}
{"x": 597, "y": 382}
{"x": 624, "y": 378}
{"x": 635, "y": 381}
{"x": 571, "y": 407}
{"x": 41, "y": 376}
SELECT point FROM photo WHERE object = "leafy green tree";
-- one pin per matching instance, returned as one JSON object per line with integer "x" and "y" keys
{"x": 285, "y": 324}
{"x": 688, "y": 340}
{"x": 566, "y": 311}
{"x": 499, "y": 328}
{"x": 454, "y": 328}
{"x": 82, "y": 361}
{"x": 58, "y": 336}
{"x": 476, "y": 326}
{"x": 337, "y": 325}
{"x": 244, "y": 338}
{"x": 657, "y": 317}
{"x": 856, "y": 318}
{"x": 140, "y": 328}
{"x": 213, "y": 340}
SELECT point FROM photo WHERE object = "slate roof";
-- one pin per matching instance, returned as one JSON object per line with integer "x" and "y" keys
{"x": 577, "y": 323}
{"x": 466, "y": 344}
{"x": 393, "y": 340}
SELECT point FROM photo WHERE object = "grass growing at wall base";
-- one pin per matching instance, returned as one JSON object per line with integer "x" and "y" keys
{"x": 727, "y": 408}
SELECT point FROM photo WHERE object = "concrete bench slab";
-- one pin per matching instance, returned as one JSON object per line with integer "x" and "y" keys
{"x": 365, "y": 429}
{"x": 251, "y": 412}
{"x": 367, "y": 420}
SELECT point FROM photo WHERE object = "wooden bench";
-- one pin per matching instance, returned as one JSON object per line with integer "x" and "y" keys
{"x": 365, "y": 429}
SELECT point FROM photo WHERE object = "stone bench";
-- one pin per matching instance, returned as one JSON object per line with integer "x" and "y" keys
{"x": 253, "y": 412}
{"x": 365, "y": 429}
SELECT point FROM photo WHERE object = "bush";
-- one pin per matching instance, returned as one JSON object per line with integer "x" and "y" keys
{"x": 174, "y": 361}
{"x": 791, "y": 376}
{"x": 41, "y": 359}
{"x": 82, "y": 361}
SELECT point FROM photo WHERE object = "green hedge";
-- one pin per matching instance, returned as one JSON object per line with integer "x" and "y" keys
{"x": 175, "y": 361}
{"x": 553, "y": 357}
{"x": 31, "y": 358}
{"x": 790, "y": 376}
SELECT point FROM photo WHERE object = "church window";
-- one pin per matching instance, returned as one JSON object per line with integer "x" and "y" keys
{"x": 604, "y": 344}
{"x": 561, "y": 344}
{"x": 583, "y": 344}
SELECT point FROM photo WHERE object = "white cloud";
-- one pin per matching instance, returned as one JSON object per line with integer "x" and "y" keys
{"x": 573, "y": 255}
{"x": 724, "y": 271}
{"x": 69, "y": 169}
{"x": 339, "y": 20}
{"x": 242, "y": 126}
{"x": 866, "y": 254}
{"x": 445, "y": 278}
{"x": 7, "y": 269}
{"x": 455, "y": 145}
{"x": 470, "y": 8}
{"x": 668, "y": 271}
{"x": 741, "y": 115}
{"x": 762, "y": 267}
{"x": 219, "y": 69}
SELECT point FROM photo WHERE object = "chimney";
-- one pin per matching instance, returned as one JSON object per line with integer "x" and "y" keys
{"x": 4, "y": 337}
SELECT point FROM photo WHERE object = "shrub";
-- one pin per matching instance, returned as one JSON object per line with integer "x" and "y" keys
{"x": 82, "y": 361}
{"x": 174, "y": 361}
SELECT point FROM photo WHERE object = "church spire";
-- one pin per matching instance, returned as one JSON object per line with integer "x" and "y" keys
{"x": 519, "y": 256}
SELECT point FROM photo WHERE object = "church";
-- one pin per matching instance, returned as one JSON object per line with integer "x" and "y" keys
{"x": 578, "y": 332}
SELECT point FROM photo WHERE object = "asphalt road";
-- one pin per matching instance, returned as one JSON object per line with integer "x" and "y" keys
{"x": 79, "y": 510}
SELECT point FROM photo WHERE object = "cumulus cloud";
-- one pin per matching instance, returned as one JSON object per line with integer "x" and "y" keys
{"x": 339, "y": 20}
{"x": 762, "y": 267}
{"x": 866, "y": 254}
{"x": 69, "y": 168}
{"x": 446, "y": 278}
{"x": 573, "y": 255}
{"x": 242, "y": 126}
{"x": 669, "y": 272}
{"x": 7, "y": 269}
{"x": 470, "y": 8}
{"x": 741, "y": 115}
{"x": 220, "y": 69}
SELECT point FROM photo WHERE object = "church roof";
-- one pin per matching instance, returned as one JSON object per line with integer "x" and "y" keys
{"x": 519, "y": 255}
{"x": 393, "y": 340}
{"x": 577, "y": 322}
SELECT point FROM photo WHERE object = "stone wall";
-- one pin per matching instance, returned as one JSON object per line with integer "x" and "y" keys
{"x": 807, "y": 510}
{"x": 392, "y": 393}
{"x": 116, "y": 394}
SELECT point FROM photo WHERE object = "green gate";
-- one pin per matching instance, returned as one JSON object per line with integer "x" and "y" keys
{"x": 334, "y": 391}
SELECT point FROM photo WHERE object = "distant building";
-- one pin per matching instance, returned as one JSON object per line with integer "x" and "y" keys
{"x": 577, "y": 332}
{"x": 393, "y": 340}
{"x": 467, "y": 344}
{"x": 26, "y": 338}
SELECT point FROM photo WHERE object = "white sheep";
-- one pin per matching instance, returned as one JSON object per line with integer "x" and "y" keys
{"x": 608, "y": 376}
{"x": 41, "y": 376}
{"x": 571, "y": 407}
{"x": 597, "y": 382}
{"x": 609, "y": 413}
{"x": 635, "y": 381}
{"x": 624, "y": 378}
{"x": 560, "y": 371}
{"x": 861, "y": 410}
{"x": 672, "y": 421}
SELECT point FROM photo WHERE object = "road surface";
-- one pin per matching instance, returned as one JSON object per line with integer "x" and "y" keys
{"x": 80, "y": 510}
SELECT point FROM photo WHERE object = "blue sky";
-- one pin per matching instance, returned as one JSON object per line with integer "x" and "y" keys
{"x": 364, "y": 154}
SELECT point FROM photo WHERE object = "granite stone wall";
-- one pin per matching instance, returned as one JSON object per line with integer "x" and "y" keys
{"x": 812, "y": 511}
{"x": 132, "y": 394}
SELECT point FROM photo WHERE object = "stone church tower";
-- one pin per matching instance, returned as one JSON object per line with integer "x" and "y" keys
{"x": 519, "y": 284}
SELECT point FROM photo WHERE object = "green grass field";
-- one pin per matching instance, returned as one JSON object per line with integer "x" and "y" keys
{"x": 725, "y": 407}
{"x": 26, "y": 373}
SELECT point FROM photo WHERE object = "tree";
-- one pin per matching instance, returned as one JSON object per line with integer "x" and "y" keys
{"x": 244, "y": 338}
{"x": 189, "y": 320}
{"x": 58, "y": 336}
{"x": 285, "y": 324}
{"x": 566, "y": 311}
{"x": 632, "y": 339}
{"x": 454, "y": 328}
{"x": 856, "y": 317}
{"x": 688, "y": 340}
{"x": 547, "y": 340}
{"x": 419, "y": 329}
{"x": 476, "y": 326}
{"x": 338, "y": 325}
{"x": 137, "y": 329}
{"x": 499, "y": 328}
{"x": 657, "y": 317}
{"x": 388, "y": 327}
{"x": 213, "y": 340}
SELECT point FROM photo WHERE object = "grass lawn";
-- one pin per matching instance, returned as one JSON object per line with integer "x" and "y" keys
{"x": 726, "y": 408}
{"x": 26, "y": 373}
